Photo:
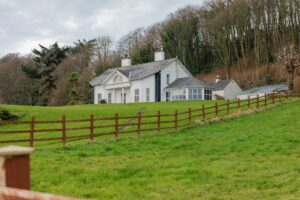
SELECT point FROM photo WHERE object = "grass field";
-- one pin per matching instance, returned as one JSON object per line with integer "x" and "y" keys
{"x": 84, "y": 111}
{"x": 81, "y": 112}
{"x": 252, "y": 157}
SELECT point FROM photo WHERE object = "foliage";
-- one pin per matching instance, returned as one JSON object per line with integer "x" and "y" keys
{"x": 6, "y": 115}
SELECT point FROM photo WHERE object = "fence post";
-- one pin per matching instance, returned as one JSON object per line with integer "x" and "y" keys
{"x": 286, "y": 95}
{"x": 116, "y": 125}
{"x": 63, "y": 129}
{"x": 265, "y": 99}
{"x": 216, "y": 106}
{"x": 257, "y": 101}
{"x": 15, "y": 169}
{"x": 92, "y": 127}
{"x": 239, "y": 103}
{"x": 273, "y": 97}
{"x": 139, "y": 124}
{"x": 249, "y": 103}
{"x": 228, "y": 107}
{"x": 279, "y": 97}
{"x": 190, "y": 115}
{"x": 32, "y": 121}
{"x": 158, "y": 121}
{"x": 175, "y": 115}
{"x": 203, "y": 112}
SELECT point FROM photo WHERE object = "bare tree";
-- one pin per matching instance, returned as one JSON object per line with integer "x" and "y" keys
{"x": 290, "y": 57}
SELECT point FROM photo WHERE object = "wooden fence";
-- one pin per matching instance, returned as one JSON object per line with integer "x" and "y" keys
{"x": 137, "y": 124}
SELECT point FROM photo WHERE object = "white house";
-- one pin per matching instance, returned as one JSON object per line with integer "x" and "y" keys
{"x": 161, "y": 80}
{"x": 227, "y": 89}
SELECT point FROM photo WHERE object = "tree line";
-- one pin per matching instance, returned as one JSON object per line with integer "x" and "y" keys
{"x": 232, "y": 36}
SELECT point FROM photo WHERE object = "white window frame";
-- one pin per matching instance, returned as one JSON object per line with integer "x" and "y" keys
{"x": 168, "y": 96}
{"x": 168, "y": 77}
{"x": 99, "y": 97}
{"x": 147, "y": 94}
{"x": 195, "y": 94}
{"x": 207, "y": 94}
{"x": 137, "y": 95}
{"x": 109, "y": 97}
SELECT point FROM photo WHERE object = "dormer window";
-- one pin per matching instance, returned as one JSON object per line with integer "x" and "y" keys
{"x": 168, "y": 79}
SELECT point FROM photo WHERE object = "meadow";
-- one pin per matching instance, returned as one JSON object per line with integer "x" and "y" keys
{"x": 79, "y": 112}
{"x": 60, "y": 125}
{"x": 256, "y": 156}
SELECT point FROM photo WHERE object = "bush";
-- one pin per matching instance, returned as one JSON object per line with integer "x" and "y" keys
{"x": 103, "y": 101}
{"x": 6, "y": 115}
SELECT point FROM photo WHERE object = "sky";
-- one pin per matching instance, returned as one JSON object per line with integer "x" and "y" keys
{"x": 27, "y": 23}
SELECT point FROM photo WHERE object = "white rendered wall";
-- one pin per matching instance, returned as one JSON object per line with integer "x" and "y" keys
{"x": 232, "y": 90}
{"x": 176, "y": 71}
{"x": 148, "y": 82}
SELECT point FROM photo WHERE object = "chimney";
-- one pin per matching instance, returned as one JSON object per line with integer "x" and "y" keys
{"x": 218, "y": 79}
{"x": 126, "y": 61}
{"x": 159, "y": 55}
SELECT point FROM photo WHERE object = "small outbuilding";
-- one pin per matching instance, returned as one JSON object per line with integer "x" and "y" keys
{"x": 226, "y": 89}
{"x": 262, "y": 90}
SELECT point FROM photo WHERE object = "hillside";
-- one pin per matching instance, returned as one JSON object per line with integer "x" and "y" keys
{"x": 251, "y": 157}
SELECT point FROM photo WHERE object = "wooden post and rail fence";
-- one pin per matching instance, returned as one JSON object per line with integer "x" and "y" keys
{"x": 137, "y": 123}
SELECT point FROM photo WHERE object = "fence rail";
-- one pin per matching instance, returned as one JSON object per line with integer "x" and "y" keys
{"x": 137, "y": 124}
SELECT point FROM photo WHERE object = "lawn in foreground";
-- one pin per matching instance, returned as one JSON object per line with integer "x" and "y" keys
{"x": 252, "y": 157}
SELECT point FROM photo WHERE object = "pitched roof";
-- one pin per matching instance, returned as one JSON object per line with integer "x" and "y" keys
{"x": 221, "y": 84}
{"x": 188, "y": 82}
{"x": 266, "y": 89}
{"x": 136, "y": 72}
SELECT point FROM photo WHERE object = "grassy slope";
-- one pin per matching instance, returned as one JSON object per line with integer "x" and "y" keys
{"x": 252, "y": 157}
{"x": 84, "y": 111}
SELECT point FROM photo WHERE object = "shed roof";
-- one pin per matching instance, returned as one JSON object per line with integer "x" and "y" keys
{"x": 221, "y": 84}
{"x": 266, "y": 89}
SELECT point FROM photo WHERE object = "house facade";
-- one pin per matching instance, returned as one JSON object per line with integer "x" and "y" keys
{"x": 158, "y": 81}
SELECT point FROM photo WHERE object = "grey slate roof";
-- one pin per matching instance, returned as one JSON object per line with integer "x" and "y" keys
{"x": 221, "y": 84}
{"x": 267, "y": 89}
{"x": 188, "y": 82}
{"x": 137, "y": 72}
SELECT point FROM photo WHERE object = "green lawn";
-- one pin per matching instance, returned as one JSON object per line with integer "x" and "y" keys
{"x": 252, "y": 157}
{"x": 84, "y": 111}
{"x": 107, "y": 111}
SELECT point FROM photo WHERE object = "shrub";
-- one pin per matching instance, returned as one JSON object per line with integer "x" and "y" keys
{"x": 6, "y": 115}
{"x": 103, "y": 101}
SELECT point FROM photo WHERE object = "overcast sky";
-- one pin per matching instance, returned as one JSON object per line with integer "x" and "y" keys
{"x": 26, "y": 23}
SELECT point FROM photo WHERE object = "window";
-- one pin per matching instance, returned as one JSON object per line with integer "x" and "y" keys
{"x": 207, "y": 94}
{"x": 178, "y": 95}
{"x": 109, "y": 98}
{"x": 195, "y": 94}
{"x": 147, "y": 94}
{"x": 168, "y": 79}
{"x": 168, "y": 96}
{"x": 99, "y": 97}
{"x": 136, "y": 95}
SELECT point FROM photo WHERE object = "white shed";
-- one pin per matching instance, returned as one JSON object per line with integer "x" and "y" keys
{"x": 227, "y": 89}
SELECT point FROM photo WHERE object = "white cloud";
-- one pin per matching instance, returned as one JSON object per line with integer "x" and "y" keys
{"x": 25, "y": 24}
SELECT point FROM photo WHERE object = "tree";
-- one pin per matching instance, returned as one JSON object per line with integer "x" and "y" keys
{"x": 290, "y": 57}
{"x": 45, "y": 62}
